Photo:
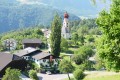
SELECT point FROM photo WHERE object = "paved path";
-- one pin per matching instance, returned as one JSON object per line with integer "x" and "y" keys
{"x": 24, "y": 77}
{"x": 52, "y": 77}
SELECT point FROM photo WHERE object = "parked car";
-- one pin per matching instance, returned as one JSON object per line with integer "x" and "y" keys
{"x": 48, "y": 72}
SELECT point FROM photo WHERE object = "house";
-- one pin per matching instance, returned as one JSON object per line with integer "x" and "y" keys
{"x": 35, "y": 43}
{"x": 11, "y": 60}
{"x": 46, "y": 33}
{"x": 41, "y": 58}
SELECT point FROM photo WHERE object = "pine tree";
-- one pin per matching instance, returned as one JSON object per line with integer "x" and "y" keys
{"x": 55, "y": 36}
{"x": 109, "y": 44}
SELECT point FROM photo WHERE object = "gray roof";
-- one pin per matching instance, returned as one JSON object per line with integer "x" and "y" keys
{"x": 25, "y": 51}
{"x": 6, "y": 58}
{"x": 41, "y": 55}
{"x": 31, "y": 41}
{"x": 21, "y": 53}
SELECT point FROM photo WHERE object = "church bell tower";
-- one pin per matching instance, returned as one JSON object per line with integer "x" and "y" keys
{"x": 65, "y": 32}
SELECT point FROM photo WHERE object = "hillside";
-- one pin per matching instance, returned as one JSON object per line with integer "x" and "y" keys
{"x": 15, "y": 15}
{"x": 21, "y": 34}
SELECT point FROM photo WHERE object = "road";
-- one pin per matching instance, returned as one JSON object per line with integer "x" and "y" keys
{"x": 52, "y": 77}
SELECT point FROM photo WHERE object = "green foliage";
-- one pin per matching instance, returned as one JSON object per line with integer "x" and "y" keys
{"x": 21, "y": 34}
{"x": 65, "y": 66}
{"x": 78, "y": 74}
{"x": 75, "y": 38}
{"x": 95, "y": 31}
{"x": 82, "y": 39}
{"x": 91, "y": 38}
{"x": 83, "y": 30}
{"x": 33, "y": 65}
{"x": 85, "y": 51}
{"x": 33, "y": 75}
{"x": 55, "y": 37}
{"x": 77, "y": 58}
{"x": 12, "y": 74}
{"x": 64, "y": 45}
{"x": 109, "y": 45}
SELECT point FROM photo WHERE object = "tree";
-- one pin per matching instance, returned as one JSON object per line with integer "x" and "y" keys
{"x": 77, "y": 58}
{"x": 82, "y": 39}
{"x": 78, "y": 74}
{"x": 12, "y": 74}
{"x": 108, "y": 46}
{"x": 85, "y": 52}
{"x": 33, "y": 75}
{"x": 55, "y": 36}
{"x": 65, "y": 66}
{"x": 64, "y": 45}
{"x": 75, "y": 38}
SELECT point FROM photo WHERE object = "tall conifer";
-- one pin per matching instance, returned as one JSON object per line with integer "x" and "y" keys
{"x": 55, "y": 37}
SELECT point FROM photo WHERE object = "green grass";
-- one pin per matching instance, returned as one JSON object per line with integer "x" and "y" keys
{"x": 108, "y": 77}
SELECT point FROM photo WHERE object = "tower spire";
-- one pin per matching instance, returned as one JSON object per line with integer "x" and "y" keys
{"x": 65, "y": 32}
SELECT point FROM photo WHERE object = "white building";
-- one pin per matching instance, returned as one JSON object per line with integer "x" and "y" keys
{"x": 41, "y": 58}
{"x": 65, "y": 32}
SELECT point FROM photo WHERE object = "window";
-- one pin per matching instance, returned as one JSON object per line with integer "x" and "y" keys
{"x": 44, "y": 60}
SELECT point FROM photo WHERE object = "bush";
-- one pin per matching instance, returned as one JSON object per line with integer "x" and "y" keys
{"x": 33, "y": 75}
{"x": 34, "y": 66}
{"x": 77, "y": 58}
{"x": 78, "y": 74}
{"x": 12, "y": 74}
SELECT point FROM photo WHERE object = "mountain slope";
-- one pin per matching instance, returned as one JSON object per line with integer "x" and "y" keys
{"x": 15, "y": 15}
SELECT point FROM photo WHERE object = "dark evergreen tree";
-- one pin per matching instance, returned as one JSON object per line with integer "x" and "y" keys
{"x": 55, "y": 36}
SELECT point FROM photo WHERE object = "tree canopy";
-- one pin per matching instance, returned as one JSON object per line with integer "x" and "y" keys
{"x": 12, "y": 74}
{"x": 55, "y": 37}
{"x": 109, "y": 43}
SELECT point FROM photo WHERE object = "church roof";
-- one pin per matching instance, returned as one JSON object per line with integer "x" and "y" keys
{"x": 66, "y": 15}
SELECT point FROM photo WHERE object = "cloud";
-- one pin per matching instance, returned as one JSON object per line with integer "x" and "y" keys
{"x": 30, "y": 2}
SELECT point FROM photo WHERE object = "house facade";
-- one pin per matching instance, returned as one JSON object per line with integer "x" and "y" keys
{"x": 35, "y": 43}
{"x": 11, "y": 60}
{"x": 43, "y": 59}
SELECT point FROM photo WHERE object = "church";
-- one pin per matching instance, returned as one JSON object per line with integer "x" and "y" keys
{"x": 65, "y": 32}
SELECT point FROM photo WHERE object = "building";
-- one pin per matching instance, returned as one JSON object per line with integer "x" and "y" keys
{"x": 46, "y": 33}
{"x": 39, "y": 57}
{"x": 35, "y": 43}
{"x": 12, "y": 61}
{"x": 65, "y": 32}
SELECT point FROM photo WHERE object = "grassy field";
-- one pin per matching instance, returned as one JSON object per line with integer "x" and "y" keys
{"x": 101, "y": 76}
{"x": 108, "y": 77}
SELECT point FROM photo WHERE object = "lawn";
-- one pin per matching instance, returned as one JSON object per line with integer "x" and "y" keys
{"x": 101, "y": 76}
{"x": 108, "y": 77}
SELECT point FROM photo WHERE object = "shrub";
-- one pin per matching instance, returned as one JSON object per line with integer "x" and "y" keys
{"x": 12, "y": 74}
{"x": 78, "y": 74}
{"x": 77, "y": 58}
{"x": 33, "y": 75}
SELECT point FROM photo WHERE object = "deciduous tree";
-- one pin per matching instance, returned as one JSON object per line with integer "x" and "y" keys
{"x": 66, "y": 67}
{"x": 12, "y": 74}
{"x": 109, "y": 43}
